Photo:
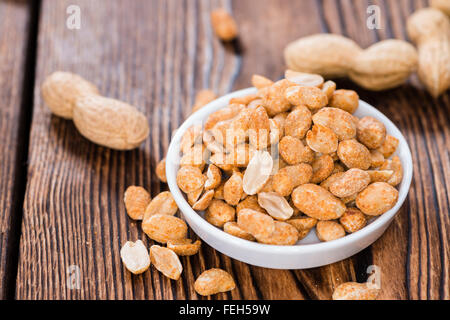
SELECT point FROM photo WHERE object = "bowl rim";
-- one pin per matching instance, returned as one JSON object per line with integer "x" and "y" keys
{"x": 349, "y": 239}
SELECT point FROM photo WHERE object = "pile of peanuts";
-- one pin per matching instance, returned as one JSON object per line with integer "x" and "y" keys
{"x": 273, "y": 165}
{"x": 160, "y": 224}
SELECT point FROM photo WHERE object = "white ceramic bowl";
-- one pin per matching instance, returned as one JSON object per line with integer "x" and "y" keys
{"x": 309, "y": 252}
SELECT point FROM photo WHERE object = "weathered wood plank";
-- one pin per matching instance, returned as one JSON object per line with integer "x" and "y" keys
{"x": 14, "y": 23}
{"x": 155, "y": 55}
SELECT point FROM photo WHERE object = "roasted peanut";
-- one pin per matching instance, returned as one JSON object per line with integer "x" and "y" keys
{"x": 284, "y": 234}
{"x": 258, "y": 172}
{"x": 136, "y": 200}
{"x": 135, "y": 257}
{"x": 338, "y": 120}
{"x": 190, "y": 179}
{"x": 304, "y": 79}
{"x": 377, "y": 158}
{"x": 184, "y": 247}
{"x": 233, "y": 229}
{"x": 275, "y": 205}
{"x": 389, "y": 146}
{"x": 233, "y": 189}
{"x": 258, "y": 224}
{"x": 322, "y": 168}
{"x": 355, "y": 291}
{"x": 307, "y": 197}
{"x": 395, "y": 165}
{"x": 298, "y": 122}
{"x": 161, "y": 170}
{"x": 322, "y": 139}
{"x": 380, "y": 175}
{"x": 353, "y": 220}
{"x": 214, "y": 281}
{"x": 162, "y": 227}
{"x": 328, "y": 88}
{"x": 293, "y": 151}
{"x": 250, "y": 202}
{"x": 354, "y": 155}
{"x": 287, "y": 178}
{"x": 214, "y": 177}
{"x": 303, "y": 223}
{"x": 273, "y": 97}
{"x": 166, "y": 261}
{"x": 260, "y": 81}
{"x": 377, "y": 198}
{"x": 224, "y": 25}
{"x": 259, "y": 129}
{"x": 163, "y": 203}
{"x": 371, "y": 132}
{"x": 218, "y": 213}
{"x": 351, "y": 182}
{"x": 347, "y": 100}
{"x": 194, "y": 196}
{"x": 312, "y": 97}
{"x": 204, "y": 202}
{"x": 329, "y": 230}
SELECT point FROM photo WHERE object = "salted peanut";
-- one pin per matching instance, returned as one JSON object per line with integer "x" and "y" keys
{"x": 163, "y": 203}
{"x": 184, "y": 247}
{"x": 219, "y": 212}
{"x": 377, "y": 198}
{"x": 277, "y": 206}
{"x": 214, "y": 177}
{"x": 380, "y": 175}
{"x": 322, "y": 168}
{"x": 162, "y": 228}
{"x": 302, "y": 234}
{"x": 190, "y": 179}
{"x": 202, "y": 98}
{"x": 353, "y": 220}
{"x": 303, "y": 223}
{"x": 274, "y": 99}
{"x": 287, "y": 178}
{"x": 329, "y": 230}
{"x": 218, "y": 192}
{"x": 355, "y": 291}
{"x": 312, "y": 97}
{"x": 244, "y": 100}
{"x": 211, "y": 143}
{"x": 221, "y": 132}
{"x": 351, "y": 182}
{"x": 191, "y": 137}
{"x": 307, "y": 197}
{"x": 349, "y": 199}
{"x": 136, "y": 200}
{"x": 354, "y": 154}
{"x": 322, "y": 139}
{"x": 233, "y": 229}
{"x": 250, "y": 202}
{"x": 276, "y": 132}
{"x": 223, "y": 24}
{"x": 293, "y": 151}
{"x": 371, "y": 132}
{"x": 347, "y": 100}
{"x": 377, "y": 159}
{"x": 284, "y": 234}
{"x": 280, "y": 118}
{"x": 161, "y": 170}
{"x": 338, "y": 120}
{"x": 204, "y": 202}
{"x": 224, "y": 114}
{"x": 166, "y": 261}
{"x": 258, "y": 224}
{"x": 328, "y": 88}
{"x": 260, "y": 81}
{"x": 304, "y": 79}
{"x": 233, "y": 189}
{"x": 258, "y": 172}
{"x": 268, "y": 187}
{"x": 259, "y": 129}
{"x": 395, "y": 165}
{"x": 214, "y": 281}
{"x": 237, "y": 132}
{"x": 135, "y": 257}
{"x": 389, "y": 146}
{"x": 331, "y": 179}
{"x": 194, "y": 196}
{"x": 298, "y": 122}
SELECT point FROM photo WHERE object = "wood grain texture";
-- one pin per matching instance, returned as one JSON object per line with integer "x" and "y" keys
{"x": 14, "y": 19}
{"x": 156, "y": 55}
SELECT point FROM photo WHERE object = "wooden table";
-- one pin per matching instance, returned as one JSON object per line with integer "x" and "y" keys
{"x": 61, "y": 196}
